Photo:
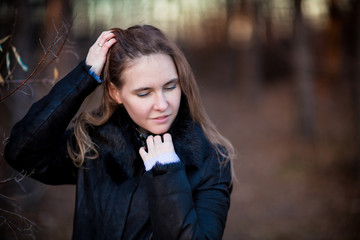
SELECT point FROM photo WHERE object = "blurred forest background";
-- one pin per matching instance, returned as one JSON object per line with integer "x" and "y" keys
{"x": 280, "y": 79}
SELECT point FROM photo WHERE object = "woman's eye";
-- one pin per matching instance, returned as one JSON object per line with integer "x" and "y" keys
{"x": 171, "y": 87}
{"x": 142, "y": 94}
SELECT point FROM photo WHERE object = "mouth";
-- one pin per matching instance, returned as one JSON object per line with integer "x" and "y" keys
{"x": 161, "y": 119}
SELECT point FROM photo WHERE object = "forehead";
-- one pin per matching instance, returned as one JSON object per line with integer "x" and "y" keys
{"x": 149, "y": 70}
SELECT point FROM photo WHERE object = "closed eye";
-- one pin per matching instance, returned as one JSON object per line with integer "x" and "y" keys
{"x": 145, "y": 91}
{"x": 170, "y": 87}
{"x": 142, "y": 94}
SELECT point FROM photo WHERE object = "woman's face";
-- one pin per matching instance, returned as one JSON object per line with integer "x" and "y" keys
{"x": 150, "y": 92}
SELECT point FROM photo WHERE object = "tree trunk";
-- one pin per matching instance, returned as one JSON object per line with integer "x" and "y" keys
{"x": 303, "y": 77}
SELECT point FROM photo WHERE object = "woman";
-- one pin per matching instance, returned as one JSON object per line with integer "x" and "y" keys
{"x": 148, "y": 164}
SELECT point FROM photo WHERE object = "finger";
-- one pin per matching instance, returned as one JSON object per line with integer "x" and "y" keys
{"x": 97, "y": 53}
{"x": 109, "y": 43}
{"x": 150, "y": 143}
{"x": 103, "y": 48}
{"x": 100, "y": 40}
{"x": 108, "y": 37}
{"x": 157, "y": 140}
{"x": 104, "y": 38}
{"x": 167, "y": 137}
{"x": 142, "y": 152}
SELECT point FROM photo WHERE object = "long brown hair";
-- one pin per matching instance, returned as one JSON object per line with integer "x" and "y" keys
{"x": 132, "y": 43}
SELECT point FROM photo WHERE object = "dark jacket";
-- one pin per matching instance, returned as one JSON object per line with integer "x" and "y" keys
{"x": 115, "y": 197}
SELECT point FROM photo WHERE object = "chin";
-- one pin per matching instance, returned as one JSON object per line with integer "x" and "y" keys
{"x": 159, "y": 131}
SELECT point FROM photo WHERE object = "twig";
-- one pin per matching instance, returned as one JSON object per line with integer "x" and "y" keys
{"x": 10, "y": 73}
{"x": 39, "y": 64}
{"x": 67, "y": 29}
{"x": 29, "y": 225}
{"x": 7, "y": 197}
{"x": 10, "y": 39}
{"x": 42, "y": 46}
{"x": 17, "y": 81}
{"x": 7, "y": 180}
{"x": 18, "y": 215}
{"x": 31, "y": 93}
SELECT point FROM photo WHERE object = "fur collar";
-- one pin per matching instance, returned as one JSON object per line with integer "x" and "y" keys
{"x": 118, "y": 144}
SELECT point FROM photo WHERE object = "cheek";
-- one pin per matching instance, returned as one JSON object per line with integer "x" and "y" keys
{"x": 175, "y": 99}
{"x": 138, "y": 110}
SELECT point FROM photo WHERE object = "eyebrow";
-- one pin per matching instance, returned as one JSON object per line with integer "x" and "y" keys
{"x": 174, "y": 80}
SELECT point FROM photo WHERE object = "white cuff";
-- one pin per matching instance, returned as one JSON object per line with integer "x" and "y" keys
{"x": 165, "y": 158}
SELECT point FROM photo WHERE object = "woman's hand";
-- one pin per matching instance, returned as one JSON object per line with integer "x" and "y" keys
{"x": 157, "y": 147}
{"x": 97, "y": 53}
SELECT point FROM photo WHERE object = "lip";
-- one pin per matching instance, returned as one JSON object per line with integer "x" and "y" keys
{"x": 161, "y": 119}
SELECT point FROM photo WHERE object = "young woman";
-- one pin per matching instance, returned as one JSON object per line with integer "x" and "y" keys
{"x": 148, "y": 163}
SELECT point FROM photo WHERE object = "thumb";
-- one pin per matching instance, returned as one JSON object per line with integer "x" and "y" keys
{"x": 143, "y": 153}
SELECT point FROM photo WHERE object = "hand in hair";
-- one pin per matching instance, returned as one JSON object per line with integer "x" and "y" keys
{"x": 97, "y": 53}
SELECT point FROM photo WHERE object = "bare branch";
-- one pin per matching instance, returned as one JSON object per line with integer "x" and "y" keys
{"x": 7, "y": 180}
{"x": 17, "y": 81}
{"x": 36, "y": 70}
{"x": 67, "y": 30}
{"x": 10, "y": 38}
{"x": 42, "y": 46}
{"x": 7, "y": 197}
{"x": 27, "y": 229}
{"x": 10, "y": 73}
{"x": 31, "y": 93}
{"x": 17, "y": 223}
{"x": 20, "y": 176}
{"x": 53, "y": 22}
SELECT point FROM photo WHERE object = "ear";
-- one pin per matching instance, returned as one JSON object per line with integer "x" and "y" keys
{"x": 115, "y": 93}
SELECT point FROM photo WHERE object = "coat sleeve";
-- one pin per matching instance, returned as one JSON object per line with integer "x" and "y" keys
{"x": 178, "y": 212}
{"x": 37, "y": 143}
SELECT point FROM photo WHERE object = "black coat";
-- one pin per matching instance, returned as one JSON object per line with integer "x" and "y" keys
{"x": 115, "y": 197}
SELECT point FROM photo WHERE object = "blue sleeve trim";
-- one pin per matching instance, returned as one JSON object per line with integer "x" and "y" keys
{"x": 97, "y": 78}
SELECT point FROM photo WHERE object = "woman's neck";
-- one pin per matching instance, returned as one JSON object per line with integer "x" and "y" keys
{"x": 142, "y": 132}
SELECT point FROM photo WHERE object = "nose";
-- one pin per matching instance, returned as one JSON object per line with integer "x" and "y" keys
{"x": 161, "y": 103}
